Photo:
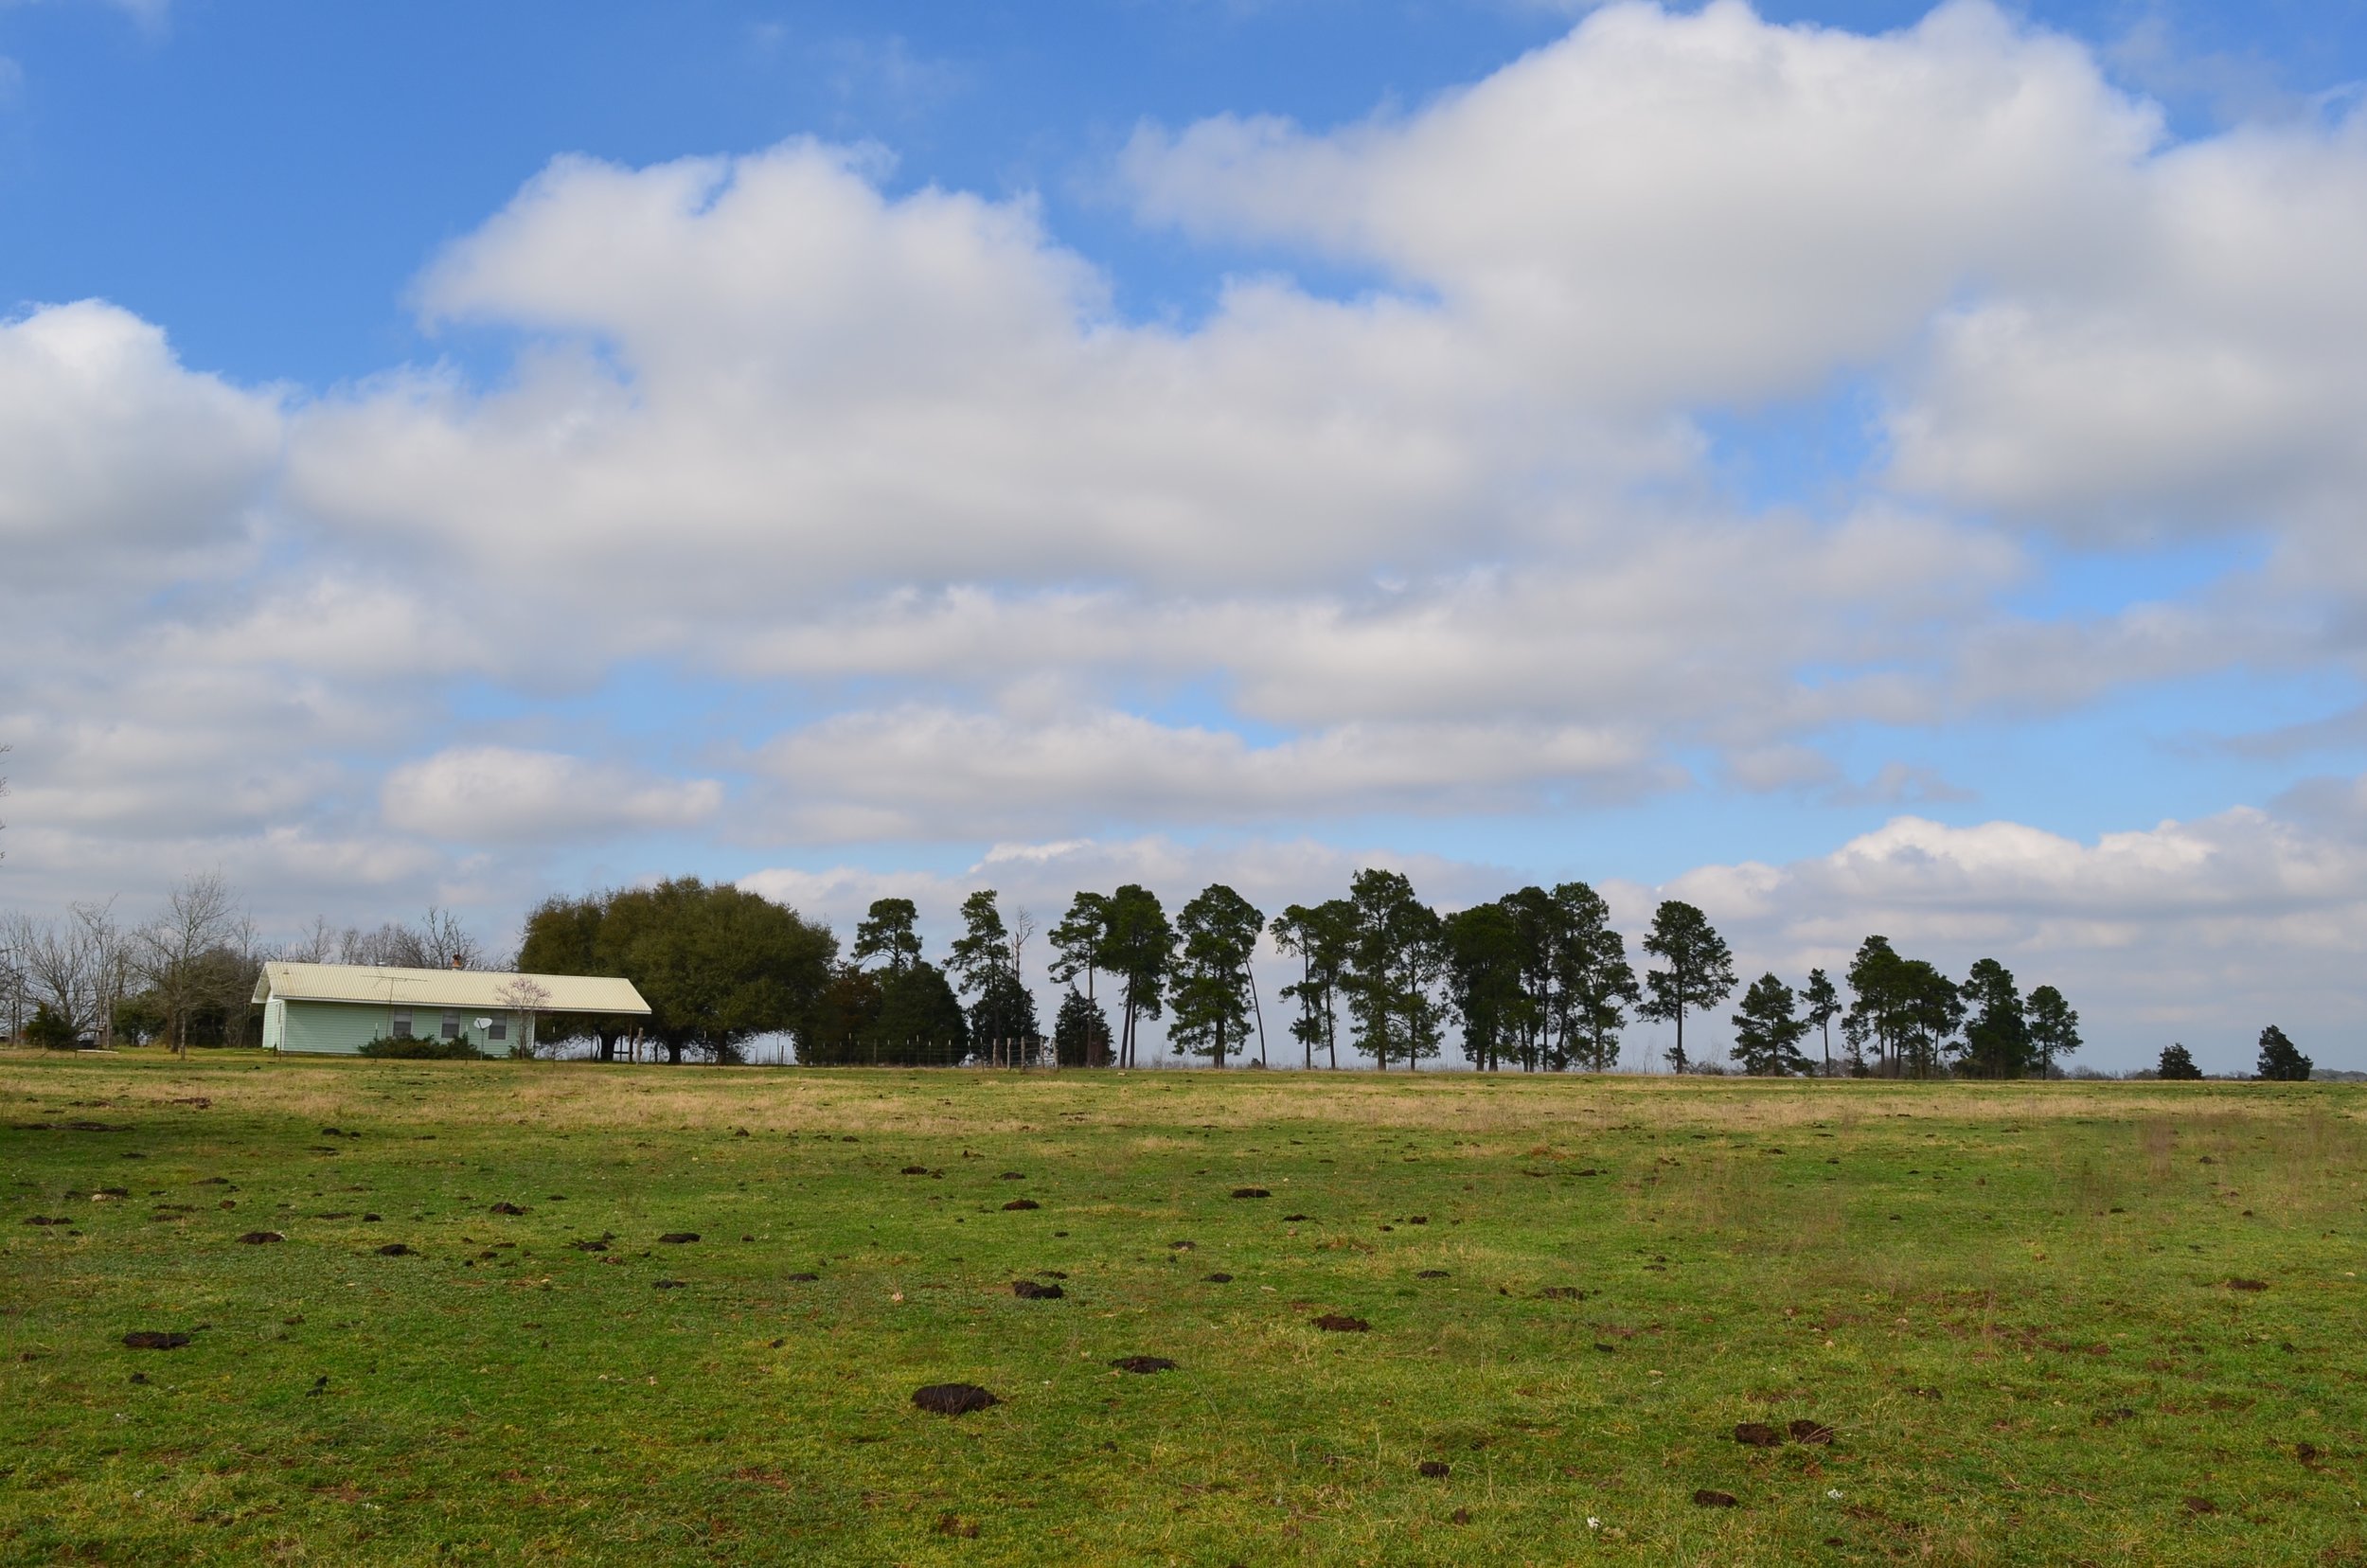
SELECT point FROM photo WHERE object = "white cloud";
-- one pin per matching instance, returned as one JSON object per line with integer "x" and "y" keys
{"x": 497, "y": 793}
{"x": 121, "y": 464}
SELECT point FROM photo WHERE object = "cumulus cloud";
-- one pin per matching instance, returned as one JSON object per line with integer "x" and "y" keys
{"x": 498, "y": 794}
{"x": 121, "y": 463}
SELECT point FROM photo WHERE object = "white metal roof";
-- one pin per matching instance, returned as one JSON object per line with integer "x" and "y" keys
{"x": 483, "y": 989}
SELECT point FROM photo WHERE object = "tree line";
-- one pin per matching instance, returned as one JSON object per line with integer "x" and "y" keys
{"x": 1537, "y": 981}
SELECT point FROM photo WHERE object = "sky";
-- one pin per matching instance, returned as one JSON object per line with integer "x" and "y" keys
{"x": 1854, "y": 467}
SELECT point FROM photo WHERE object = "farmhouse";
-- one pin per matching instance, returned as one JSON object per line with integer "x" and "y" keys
{"x": 338, "y": 1009}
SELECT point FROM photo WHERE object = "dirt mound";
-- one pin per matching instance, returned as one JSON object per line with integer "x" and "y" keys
{"x": 679, "y": 1237}
{"x": 589, "y": 1246}
{"x": 956, "y": 1525}
{"x": 1181, "y": 1246}
{"x": 914, "y": 1170}
{"x": 1436, "y": 1468}
{"x": 1011, "y": 1176}
{"x": 2202, "y": 1506}
{"x": 1027, "y": 1290}
{"x": 1562, "y": 1292}
{"x": 396, "y": 1249}
{"x": 1293, "y": 1219}
{"x": 954, "y": 1398}
{"x": 1251, "y": 1192}
{"x": 801, "y": 1278}
{"x": 47, "y": 1220}
{"x": 152, "y": 1339}
{"x": 2247, "y": 1284}
{"x": 1144, "y": 1363}
{"x": 1339, "y": 1323}
{"x": 1804, "y": 1430}
{"x": 1020, "y": 1203}
{"x": 256, "y": 1238}
{"x": 1217, "y": 1278}
{"x": 1430, "y": 1273}
{"x": 672, "y": 1284}
{"x": 1757, "y": 1434}
{"x": 1705, "y": 1498}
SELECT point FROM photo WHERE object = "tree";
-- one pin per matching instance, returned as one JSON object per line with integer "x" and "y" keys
{"x": 920, "y": 1021}
{"x": 2281, "y": 1061}
{"x": 1484, "y": 981}
{"x": 1997, "y": 1041}
{"x": 1140, "y": 942}
{"x": 887, "y": 932}
{"x": 1767, "y": 1035}
{"x": 180, "y": 955}
{"x": 985, "y": 962}
{"x": 1701, "y": 971}
{"x": 1213, "y": 992}
{"x": 1878, "y": 997}
{"x": 1395, "y": 958}
{"x": 563, "y": 936}
{"x": 2177, "y": 1064}
{"x": 1081, "y": 1036}
{"x": 1931, "y": 1011}
{"x": 2054, "y": 1028}
{"x": 526, "y": 997}
{"x": 1823, "y": 1005}
{"x": 1320, "y": 938}
{"x": 1078, "y": 940}
{"x": 1591, "y": 983}
{"x": 50, "y": 1030}
{"x": 718, "y": 965}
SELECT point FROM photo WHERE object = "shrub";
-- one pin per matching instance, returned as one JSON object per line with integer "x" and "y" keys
{"x": 49, "y": 1031}
{"x": 423, "y": 1050}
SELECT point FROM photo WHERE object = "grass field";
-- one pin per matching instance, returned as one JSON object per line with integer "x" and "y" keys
{"x": 2101, "y": 1323}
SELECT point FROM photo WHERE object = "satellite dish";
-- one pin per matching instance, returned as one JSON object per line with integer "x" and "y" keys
{"x": 484, "y": 1022}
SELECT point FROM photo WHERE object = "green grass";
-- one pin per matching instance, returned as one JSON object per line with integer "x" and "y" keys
{"x": 2011, "y": 1304}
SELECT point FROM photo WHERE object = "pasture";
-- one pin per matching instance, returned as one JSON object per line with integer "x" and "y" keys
{"x": 1965, "y": 1323}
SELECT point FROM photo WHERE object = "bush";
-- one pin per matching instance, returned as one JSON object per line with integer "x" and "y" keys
{"x": 423, "y": 1050}
{"x": 49, "y": 1031}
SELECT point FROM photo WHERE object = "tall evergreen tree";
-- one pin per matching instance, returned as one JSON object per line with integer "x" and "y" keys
{"x": 1878, "y": 992}
{"x": 1997, "y": 1041}
{"x": 1484, "y": 974}
{"x": 1394, "y": 963}
{"x": 2177, "y": 1064}
{"x": 1701, "y": 971}
{"x": 1767, "y": 1035}
{"x": 1213, "y": 990}
{"x": 1592, "y": 982}
{"x": 1823, "y": 1005}
{"x": 2280, "y": 1059}
{"x": 1081, "y": 1035}
{"x": 1137, "y": 949}
{"x": 1321, "y": 938}
{"x": 1078, "y": 940}
{"x": 2054, "y": 1028}
{"x": 887, "y": 932}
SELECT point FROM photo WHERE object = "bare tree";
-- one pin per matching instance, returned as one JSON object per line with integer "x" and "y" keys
{"x": 439, "y": 941}
{"x": 109, "y": 949}
{"x": 317, "y": 945}
{"x": 525, "y": 996}
{"x": 184, "y": 952}
{"x": 54, "y": 968}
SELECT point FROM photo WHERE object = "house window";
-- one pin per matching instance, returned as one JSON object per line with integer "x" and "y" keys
{"x": 498, "y": 1031}
{"x": 400, "y": 1028}
{"x": 451, "y": 1025}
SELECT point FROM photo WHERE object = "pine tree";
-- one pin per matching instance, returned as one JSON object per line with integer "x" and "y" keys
{"x": 2281, "y": 1061}
{"x": 1081, "y": 1036}
{"x": 2177, "y": 1063}
{"x": 1213, "y": 992}
{"x": 1823, "y": 1005}
{"x": 1767, "y": 1035}
{"x": 1701, "y": 971}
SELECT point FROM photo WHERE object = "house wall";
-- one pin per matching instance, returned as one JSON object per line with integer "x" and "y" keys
{"x": 341, "y": 1029}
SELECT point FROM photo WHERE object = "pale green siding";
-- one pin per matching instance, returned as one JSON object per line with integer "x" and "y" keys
{"x": 341, "y": 1029}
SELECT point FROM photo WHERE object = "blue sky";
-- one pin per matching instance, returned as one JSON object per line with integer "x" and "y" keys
{"x": 1243, "y": 439}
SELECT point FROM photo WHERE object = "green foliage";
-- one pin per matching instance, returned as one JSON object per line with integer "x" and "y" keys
{"x": 1002, "y": 1026}
{"x": 1395, "y": 960}
{"x": 718, "y": 965}
{"x": 1216, "y": 934}
{"x": 1590, "y": 983}
{"x": 1485, "y": 969}
{"x": 1906, "y": 1008}
{"x": 920, "y": 1021}
{"x": 1767, "y": 1035}
{"x": 2053, "y": 1028}
{"x": 887, "y": 932}
{"x": 2177, "y": 1063}
{"x": 1320, "y": 937}
{"x": 2281, "y": 1061}
{"x": 412, "y": 1048}
{"x": 1080, "y": 1037}
{"x": 1700, "y": 972}
{"x": 843, "y": 1019}
{"x": 1823, "y": 1005}
{"x": 1997, "y": 1041}
{"x": 1137, "y": 950}
{"x": 49, "y": 1031}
